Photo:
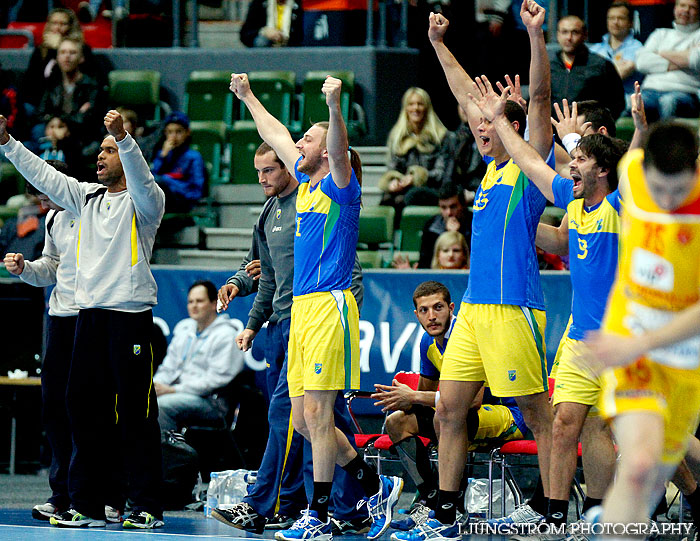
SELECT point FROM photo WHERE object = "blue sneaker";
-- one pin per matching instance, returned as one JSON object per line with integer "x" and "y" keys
{"x": 431, "y": 530}
{"x": 382, "y": 504}
{"x": 308, "y": 526}
{"x": 415, "y": 517}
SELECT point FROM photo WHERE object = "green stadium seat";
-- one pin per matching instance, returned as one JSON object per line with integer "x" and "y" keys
{"x": 11, "y": 182}
{"x": 207, "y": 96}
{"x": 624, "y": 127}
{"x": 413, "y": 219}
{"x": 313, "y": 103}
{"x": 370, "y": 259}
{"x": 209, "y": 138}
{"x": 244, "y": 140}
{"x": 376, "y": 227}
{"x": 138, "y": 90}
{"x": 275, "y": 90}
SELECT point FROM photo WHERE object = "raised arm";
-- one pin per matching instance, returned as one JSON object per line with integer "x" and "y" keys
{"x": 148, "y": 197}
{"x": 554, "y": 240}
{"x": 271, "y": 130}
{"x": 492, "y": 107}
{"x": 639, "y": 116}
{"x": 337, "y": 136}
{"x": 461, "y": 84}
{"x": 540, "y": 107}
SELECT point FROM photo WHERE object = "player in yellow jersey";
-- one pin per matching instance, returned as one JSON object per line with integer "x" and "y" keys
{"x": 649, "y": 334}
{"x": 324, "y": 341}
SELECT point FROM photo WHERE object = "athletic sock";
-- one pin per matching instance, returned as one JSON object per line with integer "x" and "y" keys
{"x": 590, "y": 502}
{"x": 429, "y": 494}
{"x": 558, "y": 511}
{"x": 319, "y": 503}
{"x": 693, "y": 500}
{"x": 539, "y": 502}
{"x": 446, "y": 509}
{"x": 365, "y": 475}
{"x": 461, "y": 503}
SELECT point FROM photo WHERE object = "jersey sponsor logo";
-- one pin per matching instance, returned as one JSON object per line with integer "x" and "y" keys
{"x": 511, "y": 375}
{"x": 685, "y": 235}
{"x": 278, "y": 214}
{"x": 481, "y": 201}
{"x": 651, "y": 270}
{"x": 109, "y": 204}
{"x": 137, "y": 349}
{"x": 318, "y": 367}
{"x": 277, "y": 228}
{"x": 598, "y": 227}
{"x": 72, "y": 223}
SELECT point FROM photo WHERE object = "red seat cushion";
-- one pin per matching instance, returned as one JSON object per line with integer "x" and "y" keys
{"x": 384, "y": 443}
{"x": 361, "y": 440}
{"x": 523, "y": 447}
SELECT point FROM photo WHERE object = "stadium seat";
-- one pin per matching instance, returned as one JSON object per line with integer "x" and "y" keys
{"x": 313, "y": 106}
{"x": 370, "y": 259}
{"x": 275, "y": 90}
{"x": 209, "y": 138}
{"x": 376, "y": 227}
{"x": 413, "y": 219}
{"x": 138, "y": 90}
{"x": 207, "y": 96}
{"x": 16, "y": 39}
{"x": 244, "y": 140}
{"x": 624, "y": 127}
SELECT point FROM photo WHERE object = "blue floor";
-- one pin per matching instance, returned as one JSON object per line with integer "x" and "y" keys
{"x": 18, "y": 525}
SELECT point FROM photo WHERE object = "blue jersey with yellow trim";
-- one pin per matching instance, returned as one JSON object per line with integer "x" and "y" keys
{"x": 593, "y": 251}
{"x": 504, "y": 267}
{"x": 431, "y": 363}
{"x": 431, "y": 354}
{"x": 325, "y": 242}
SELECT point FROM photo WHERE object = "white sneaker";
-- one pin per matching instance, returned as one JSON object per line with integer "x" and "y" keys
{"x": 44, "y": 511}
{"x": 112, "y": 515}
{"x": 522, "y": 515}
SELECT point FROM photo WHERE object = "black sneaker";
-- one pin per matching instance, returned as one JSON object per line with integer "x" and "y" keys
{"x": 241, "y": 516}
{"x": 279, "y": 522}
{"x": 142, "y": 520}
{"x": 354, "y": 526}
{"x": 74, "y": 519}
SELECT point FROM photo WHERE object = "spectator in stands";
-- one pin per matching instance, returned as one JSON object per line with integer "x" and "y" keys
{"x": 451, "y": 251}
{"x": 179, "y": 169}
{"x": 75, "y": 95}
{"x": 466, "y": 168}
{"x": 9, "y": 105}
{"x": 417, "y": 163}
{"x": 59, "y": 144}
{"x": 578, "y": 74}
{"x": 202, "y": 359}
{"x": 60, "y": 23}
{"x": 620, "y": 47}
{"x": 132, "y": 125}
{"x": 273, "y": 23}
{"x": 670, "y": 59}
{"x": 24, "y": 233}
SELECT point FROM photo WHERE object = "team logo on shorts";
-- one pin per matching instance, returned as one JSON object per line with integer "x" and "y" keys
{"x": 511, "y": 375}
{"x": 137, "y": 349}
{"x": 317, "y": 367}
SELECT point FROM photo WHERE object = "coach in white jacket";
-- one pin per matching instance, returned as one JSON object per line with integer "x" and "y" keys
{"x": 110, "y": 383}
{"x": 202, "y": 358}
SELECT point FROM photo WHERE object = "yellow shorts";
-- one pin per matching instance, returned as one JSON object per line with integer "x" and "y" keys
{"x": 500, "y": 344}
{"x": 324, "y": 343}
{"x": 647, "y": 386}
{"x": 496, "y": 426}
{"x": 555, "y": 364}
{"x": 572, "y": 383}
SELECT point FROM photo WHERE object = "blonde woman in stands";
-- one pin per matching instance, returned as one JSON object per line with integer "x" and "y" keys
{"x": 451, "y": 251}
{"x": 417, "y": 163}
